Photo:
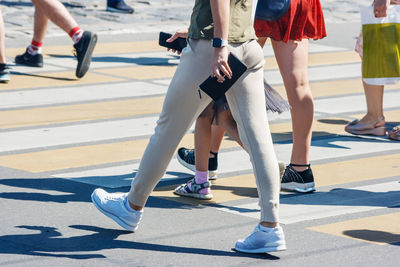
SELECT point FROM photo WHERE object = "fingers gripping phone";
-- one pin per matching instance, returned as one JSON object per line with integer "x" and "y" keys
{"x": 178, "y": 44}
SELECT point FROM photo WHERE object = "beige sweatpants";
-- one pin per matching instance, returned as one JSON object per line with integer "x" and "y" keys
{"x": 182, "y": 105}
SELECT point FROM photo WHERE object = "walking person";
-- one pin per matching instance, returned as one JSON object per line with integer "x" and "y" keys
{"x": 217, "y": 28}
{"x": 373, "y": 123}
{"x": 4, "y": 73}
{"x": 290, "y": 39}
{"x": 289, "y": 36}
{"x": 54, "y": 10}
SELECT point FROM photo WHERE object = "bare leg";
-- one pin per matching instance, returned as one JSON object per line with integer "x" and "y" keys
{"x": 57, "y": 13}
{"x": 374, "y": 99}
{"x": 2, "y": 41}
{"x": 41, "y": 23}
{"x": 292, "y": 58}
{"x": 228, "y": 123}
{"x": 202, "y": 140}
{"x": 217, "y": 134}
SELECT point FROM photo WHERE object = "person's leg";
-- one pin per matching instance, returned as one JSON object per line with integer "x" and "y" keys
{"x": 2, "y": 41}
{"x": 4, "y": 73}
{"x": 292, "y": 58}
{"x": 247, "y": 102}
{"x": 373, "y": 122}
{"x": 33, "y": 55}
{"x": 84, "y": 41}
{"x": 173, "y": 123}
{"x": 217, "y": 135}
{"x": 227, "y": 122}
{"x": 40, "y": 26}
{"x": 57, "y": 13}
{"x": 202, "y": 141}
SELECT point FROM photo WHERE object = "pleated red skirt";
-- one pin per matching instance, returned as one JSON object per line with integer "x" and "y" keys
{"x": 304, "y": 20}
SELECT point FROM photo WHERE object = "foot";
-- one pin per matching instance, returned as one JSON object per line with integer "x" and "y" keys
{"x": 186, "y": 158}
{"x": 29, "y": 60}
{"x": 119, "y": 6}
{"x": 4, "y": 73}
{"x": 191, "y": 189}
{"x": 113, "y": 206}
{"x": 261, "y": 241}
{"x": 394, "y": 134}
{"x": 367, "y": 126}
{"x": 298, "y": 181}
{"x": 84, "y": 50}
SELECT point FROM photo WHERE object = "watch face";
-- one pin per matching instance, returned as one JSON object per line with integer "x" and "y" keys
{"x": 217, "y": 42}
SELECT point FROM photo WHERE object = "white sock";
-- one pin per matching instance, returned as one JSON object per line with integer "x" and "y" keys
{"x": 127, "y": 206}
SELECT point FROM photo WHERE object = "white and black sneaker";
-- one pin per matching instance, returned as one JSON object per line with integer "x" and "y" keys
{"x": 302, "y": 182}
{"x": 186, "y": 158}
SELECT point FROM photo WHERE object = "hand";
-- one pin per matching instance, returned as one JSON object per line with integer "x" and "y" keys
{"x": 180, "y": 33}
{"x": 220, "y": 64}
{"x": 380, "y": 8}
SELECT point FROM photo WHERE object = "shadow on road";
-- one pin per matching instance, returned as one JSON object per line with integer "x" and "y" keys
{"x": 48, "y": 241}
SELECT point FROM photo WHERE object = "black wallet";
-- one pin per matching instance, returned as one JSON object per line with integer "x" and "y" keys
{"x": 215, "y": 89}
{"x": 178, "y": 44}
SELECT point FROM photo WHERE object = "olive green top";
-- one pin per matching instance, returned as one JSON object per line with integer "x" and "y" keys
{"x": 240, "y": 24}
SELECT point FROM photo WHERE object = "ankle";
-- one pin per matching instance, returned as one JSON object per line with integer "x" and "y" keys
{"x": 213, "y": 155}
{"x": 269, "y": 224}
{"x": 133, "y": 207}
{"x": 300, "y": 167}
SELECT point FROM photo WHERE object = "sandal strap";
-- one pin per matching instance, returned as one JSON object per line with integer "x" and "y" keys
{"x": 195, "y": 187}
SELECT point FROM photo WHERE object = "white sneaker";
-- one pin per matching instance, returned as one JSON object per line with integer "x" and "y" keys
{"x": 260, "y": 241}
{"x": 113, "y": 206}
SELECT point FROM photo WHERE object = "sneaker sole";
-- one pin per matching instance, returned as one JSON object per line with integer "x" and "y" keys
{"x": 83, "y": 68}
{"x": 113, "y": 217}
{"x": 194, "y": 195}
{"x": 39, "y": 65}
{"x": 111, "y": 9}
{"x": 212, "y": 175}
{"x": 263, "y": 250}
{"x": 301, "y": 188}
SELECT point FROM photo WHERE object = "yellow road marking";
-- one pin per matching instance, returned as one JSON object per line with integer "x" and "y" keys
{"x": 380, "y": 230}
{"x": 89, "y": 155}
{"x": 101, "y": 48}
{"x": 142, "y": 73}
{"x": 320, "y": 59}
{"x": 54, "y": 79}
{"x": 238, "y": 187}
{"x": 223, "y": 190}
{"x": 80, "y": 112}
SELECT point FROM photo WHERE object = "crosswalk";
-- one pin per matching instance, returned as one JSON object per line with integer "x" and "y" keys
{"x": 95, "y": 130}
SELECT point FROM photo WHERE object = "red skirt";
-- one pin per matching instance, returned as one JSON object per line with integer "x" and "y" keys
{"x": 304, "y": 20}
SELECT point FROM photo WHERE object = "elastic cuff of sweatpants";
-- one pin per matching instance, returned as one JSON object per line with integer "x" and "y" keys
{"x": 270, "y": 212}
{"x": 136, "y": 198}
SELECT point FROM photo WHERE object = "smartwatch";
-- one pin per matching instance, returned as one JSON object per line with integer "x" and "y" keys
{"x": 218, "y": 42}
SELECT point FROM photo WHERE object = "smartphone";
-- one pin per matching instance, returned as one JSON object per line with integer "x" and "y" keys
{"x": 178, "y": 44}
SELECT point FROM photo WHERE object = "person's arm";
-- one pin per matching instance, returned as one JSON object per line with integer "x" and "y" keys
{"x": 380, "y": 8}
{"x": 220, "y": 14}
